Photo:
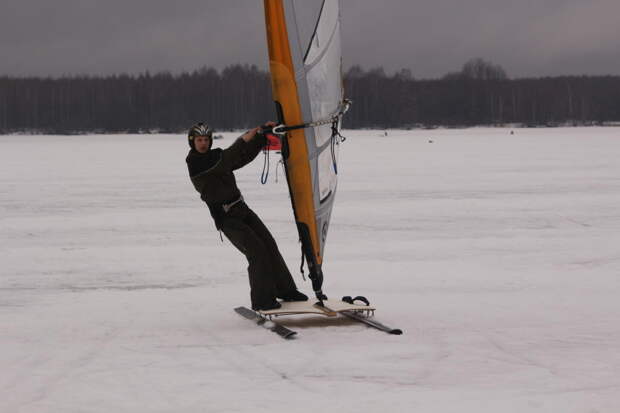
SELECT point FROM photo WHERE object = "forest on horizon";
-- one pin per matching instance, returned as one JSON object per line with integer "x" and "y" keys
{"x": 239, "y": 96}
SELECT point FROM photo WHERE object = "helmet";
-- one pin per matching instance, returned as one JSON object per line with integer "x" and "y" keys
{"x": 199, "y": 129}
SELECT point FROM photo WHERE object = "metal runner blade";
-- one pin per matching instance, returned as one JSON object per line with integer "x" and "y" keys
{"x": 370, "y": 322}
{"x": 279, "y": 329}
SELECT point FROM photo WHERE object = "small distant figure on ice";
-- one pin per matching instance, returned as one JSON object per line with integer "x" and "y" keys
{"x": 211, "y": 173}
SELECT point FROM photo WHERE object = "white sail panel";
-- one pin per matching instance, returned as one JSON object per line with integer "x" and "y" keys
{"x": 323, "y": 76}
{"x": 327, "y": 175}
{"x": 319, "y": 80}
{"x": 307, "y": 14}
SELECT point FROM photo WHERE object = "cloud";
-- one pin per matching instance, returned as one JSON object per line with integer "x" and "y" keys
{"x": 431, "y": 37}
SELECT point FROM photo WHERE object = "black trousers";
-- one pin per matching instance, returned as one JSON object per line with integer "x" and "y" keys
{"x": 268, "y": 273}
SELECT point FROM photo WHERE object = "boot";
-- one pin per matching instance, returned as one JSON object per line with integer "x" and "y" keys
{"x": 294, "y": 295}
{"x": 274, "y": 305}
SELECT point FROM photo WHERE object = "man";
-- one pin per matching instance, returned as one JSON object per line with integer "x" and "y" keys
{"x": 211, "y": 172}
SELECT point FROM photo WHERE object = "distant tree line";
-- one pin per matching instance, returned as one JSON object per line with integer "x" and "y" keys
{"x": 237, "y": 97}
{"x": 480, "y": 94}
{"x": 240, "y": 96}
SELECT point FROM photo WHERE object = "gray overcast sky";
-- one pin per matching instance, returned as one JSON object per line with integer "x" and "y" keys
{"x": 430, "y": 37}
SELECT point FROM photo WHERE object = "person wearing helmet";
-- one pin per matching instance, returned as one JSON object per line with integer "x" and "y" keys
{"x": 211, "y": 173}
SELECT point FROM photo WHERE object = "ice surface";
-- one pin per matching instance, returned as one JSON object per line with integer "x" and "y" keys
{"x": 497, "y": 254}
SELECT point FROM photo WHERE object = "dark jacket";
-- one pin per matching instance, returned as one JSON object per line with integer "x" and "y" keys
{"x": 212, "y": 172}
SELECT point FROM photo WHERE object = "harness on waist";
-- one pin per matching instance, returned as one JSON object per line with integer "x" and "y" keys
{"x": 227, "y": 206}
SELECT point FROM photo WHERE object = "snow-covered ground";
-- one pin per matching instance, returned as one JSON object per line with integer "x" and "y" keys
{"x": 497, "y": 254}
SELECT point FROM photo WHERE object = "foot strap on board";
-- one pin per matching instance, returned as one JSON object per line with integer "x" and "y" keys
{"x": 348, "y": 299}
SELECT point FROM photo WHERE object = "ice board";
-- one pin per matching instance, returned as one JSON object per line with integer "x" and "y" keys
{"x": 331, "y": 309}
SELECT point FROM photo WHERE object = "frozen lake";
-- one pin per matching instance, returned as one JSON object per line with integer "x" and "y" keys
{"x": 497, "y": 254}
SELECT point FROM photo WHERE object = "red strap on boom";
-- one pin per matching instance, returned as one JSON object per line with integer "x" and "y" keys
{"x": 273, "y": 142}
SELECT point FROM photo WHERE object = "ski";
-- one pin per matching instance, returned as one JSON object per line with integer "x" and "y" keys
{"x": 370, "y": 322}
{"x": 279, "y": 329}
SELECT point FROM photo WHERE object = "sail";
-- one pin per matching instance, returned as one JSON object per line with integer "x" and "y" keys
{"x": 305, "y": 61}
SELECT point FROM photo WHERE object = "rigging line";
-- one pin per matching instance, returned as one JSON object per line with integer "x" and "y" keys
{"x": 280, "y": 162}
{"x": 344, "y": 107}
{"x": 303, "y": 260}
{"x": 336, "y": 139}
{"x": 265, "y": 174}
